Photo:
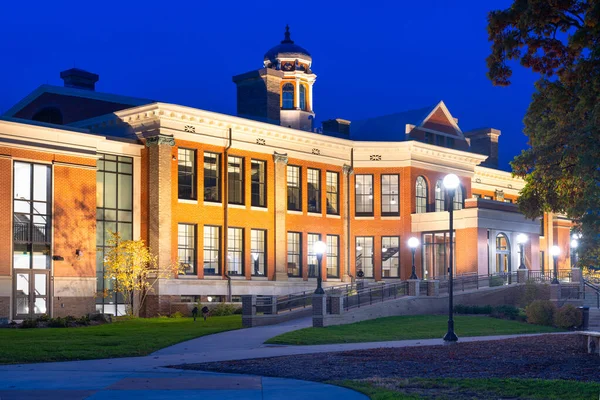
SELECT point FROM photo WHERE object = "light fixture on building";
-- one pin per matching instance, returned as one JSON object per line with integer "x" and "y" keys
{"x": 319, "y": 249}
{"x": 384, "y": 249}
{"x": 450, "y": 183}
{"x": 521, "y": 240}
{"x": 209, "y": 298}
{"x": 413, "y": 243}
{"x": 371, "y": 194}
{"x": 78, "y": 254}
{"x": 359, "y": 247}
{"x": 555, "y": 251}
{"x": 393, "y": 201}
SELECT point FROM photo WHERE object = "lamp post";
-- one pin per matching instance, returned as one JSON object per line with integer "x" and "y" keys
{"x": 255, "y": 258}
{"x": 555, "y": 251}
{"x": 521, "y": 240}
{"x": 451, "y": 182}
{"x": 413, "y": 243}
{"x": 319, "y": 248}
{"x": 574, "y": 244}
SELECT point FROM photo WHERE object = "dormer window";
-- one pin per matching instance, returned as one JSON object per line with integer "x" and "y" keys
{"x": 287, "y": 96}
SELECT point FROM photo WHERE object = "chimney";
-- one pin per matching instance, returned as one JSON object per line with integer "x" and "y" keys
{"x": 337, "y": 125}
{"x": 485, "y": 141}
{"x": 79, "y": 79}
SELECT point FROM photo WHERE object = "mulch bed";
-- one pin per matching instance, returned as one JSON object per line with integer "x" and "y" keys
{"x": 546, "y": 357}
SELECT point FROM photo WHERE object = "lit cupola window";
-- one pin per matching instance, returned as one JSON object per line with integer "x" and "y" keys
{"x": 287, "y": 96}
{"x": 302, "y": 89}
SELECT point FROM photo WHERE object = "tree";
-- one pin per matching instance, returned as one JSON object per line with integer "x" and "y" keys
{"x": 559, "y": 39}
{"x": 134, "y": 270}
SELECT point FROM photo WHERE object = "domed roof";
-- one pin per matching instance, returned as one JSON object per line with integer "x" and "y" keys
{"x": 287, "y": 49}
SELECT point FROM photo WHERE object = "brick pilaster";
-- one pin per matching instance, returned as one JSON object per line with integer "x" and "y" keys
{"x": 280, "y": 233}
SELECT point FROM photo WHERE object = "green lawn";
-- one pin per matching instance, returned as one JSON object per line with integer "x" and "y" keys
{"x": 463, "y": 389}
{"x": 136, "y": 337}
{"x": 410, "y": 327}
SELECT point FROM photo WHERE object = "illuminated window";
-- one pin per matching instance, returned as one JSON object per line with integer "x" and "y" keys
{"x": 333, "y": 256}
{"x": 212, "y": 177}
{"x": 333, "y": 200}
{"x": 235, "y": 180}
{"x": 258, "y": 248}
{"x": 235, "y": 251}
{"x": 259, "y": 187}
{"x": 390, "y": 256}
{"x": 440, "y": 194}
{"x": 186, "y": 247}
{"x": 186, "y": 173}
{"x": 363, "y": 195}
{"x": 314, "y": 190}
{"x": 287, "y": 96}
{"x": 421, "y": 195}
{"x": 302, "y": 93}
{"x": 212, "y": 250}
{"x": 458, "y": 198}
{"x": 312, "y": 257}
{"x": 390, "y": 197}
{"x": 294, "y": 254}
{"x": 364, "y": 255}
{"x": 294, "y": 192}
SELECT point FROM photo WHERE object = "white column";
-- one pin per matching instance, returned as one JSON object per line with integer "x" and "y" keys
{"x": 297, "y": 95}
{"x": 310, "y": 98}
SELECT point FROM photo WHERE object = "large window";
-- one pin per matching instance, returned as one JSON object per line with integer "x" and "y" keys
{"x": 212, "y": 177}
{"x": 364, "y": 195}
{"x": 333, "y": 256}
{"x": 364, "y": 255}
{"x": 235, "y": 249}
{"x": 294, "y": 254}
{"x": 302, "y": 93}
{"x": 294, "y": 192}
{"x": 186, "y": 173}
{"x": 114, "y": 212}
{"x": 390, "y": 199}
{"x": 421, "y": 195}
{"x": 314, "y": 190}
{"x": 235, "y": 179}
{"x": 287, "y": 96}
{"x": 312, "y": 257}
{"x": 258, "y": 248}
{"x": 212, "y": 250}
{"x": 333, "y": 189}
{"x": 440, "y": 196}
{"x": 186, "y": 247}
{"x": 502, "y": 254}
{"x": 390, "y": 256}
{"x": 436, "y": 254}
{"x": 458, "y": 198}
{"x": 259, "y": 186}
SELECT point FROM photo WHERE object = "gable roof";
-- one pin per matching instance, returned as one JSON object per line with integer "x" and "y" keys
{"x": 68, "y": 91}
{"x": 387, "y": 128}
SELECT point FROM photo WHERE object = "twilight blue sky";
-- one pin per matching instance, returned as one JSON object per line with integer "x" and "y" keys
{"x": 371, "y": 58}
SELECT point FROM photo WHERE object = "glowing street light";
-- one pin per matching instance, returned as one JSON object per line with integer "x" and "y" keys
{"x": 319, "y": 249}
{"x": 555, "y": 251}
{"x": 451, "y": 183}
{"x": 521, "y": 240}
{"x": 574, "y": 244}
{"x": 413, "y": 243}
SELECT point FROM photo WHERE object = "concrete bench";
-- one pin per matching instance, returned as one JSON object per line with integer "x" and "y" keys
{"x": 593, "y": 342}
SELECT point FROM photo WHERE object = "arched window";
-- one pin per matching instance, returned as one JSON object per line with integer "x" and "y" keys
{"x": 502, "y": 254}
{"x": 51, "y": 115}
{"x": 421, "y": 195}
{"x": 440, "y": 196}
{"x": 302, "y": 93}
{"x": 458, "y": 198}
{"x": 287, "y": 96}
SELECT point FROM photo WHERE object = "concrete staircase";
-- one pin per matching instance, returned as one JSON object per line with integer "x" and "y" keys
{"x": 591, "y": 300}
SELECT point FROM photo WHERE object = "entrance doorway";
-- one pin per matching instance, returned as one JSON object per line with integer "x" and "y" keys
{"x": 502, "y": 254}
{"x": 31, "y": 288}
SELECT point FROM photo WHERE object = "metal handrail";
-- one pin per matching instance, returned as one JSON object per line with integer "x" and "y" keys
{"x": 375, "y": 294}
{"x": 594, "y": 288}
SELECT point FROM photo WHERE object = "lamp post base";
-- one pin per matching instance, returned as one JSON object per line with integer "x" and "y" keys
{"x": 554, "y": 281}
{"x": 450, "y": 336}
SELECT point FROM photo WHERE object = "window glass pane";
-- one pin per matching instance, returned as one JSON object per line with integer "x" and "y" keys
{"x": 314, "y": 190}
{"x": 390, "y": 256}
{"x": 99, "y": 189}
{"x": 364, "y": 194}
{"x": 235, "y": 257}
{"x": 125, "y": 168}
{"x": 22, "y": 206}
{"x": 294, "y": 192}
{"x": 110, "y": 165}
{"x": 186, "y": 248}
{"x": 302, "y": 93}
{"x": 258, "y": 174}
{"x": 287, "y": 101}
{"x": 312, "y": 258}
{"x": 41, "y": 256}
{"x": 440, "y": 194}
{"x": 110, "y": 190}
{"x": 125, "y": 192}
{"x": 40, "y": 305}
{"x": 333, "y": 256}
{"x": 364, "y": 255}
{"x": 390, "y": 199}
{"x": 40, "y": 284}
{"x": 294, "y": 254}
{"x": 332, "y": 193}
{"x": 22, "y": 180}
{"x": 211, "y": 250}
{"x": 23, "y": 284}
{"x": 421, "y": 195}
{"x": 258, "y": 252}
{"x": 21, "y": 256}
{"x": 235, "y": 180}
{"x": 211, "y": 177}
{"x": 40, "y": 180}
{"x": 126, "y": 230}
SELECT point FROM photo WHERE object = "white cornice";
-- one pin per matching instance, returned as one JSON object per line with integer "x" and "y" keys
{"x": 494, "y": 179}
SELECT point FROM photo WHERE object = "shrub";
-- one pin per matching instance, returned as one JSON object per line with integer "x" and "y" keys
{"x": 29, "y": 323}
{"x": 464, "y": 309}
{"x": 238, "y": 311}
{"x": 496, "y": 281}
{"x": 568, "y": 317}
{"x": 176, "y": 314}
{"x": 532, "y": 291}
{"x": 222, "y": 310}
{"x": 541, "y": 312}
{"x": 58, "y": 322}
{"x": 85, "y": 320}
{"x": 43, "y": 318}
{"x": 505, "y": 312}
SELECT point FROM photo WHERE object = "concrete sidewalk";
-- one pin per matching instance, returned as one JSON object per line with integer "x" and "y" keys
{"x": 161, "y": 385}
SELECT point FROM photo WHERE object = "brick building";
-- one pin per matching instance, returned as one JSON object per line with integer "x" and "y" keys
{"x": 241, "y": 200}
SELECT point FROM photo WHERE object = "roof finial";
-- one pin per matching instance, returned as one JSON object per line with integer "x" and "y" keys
{"x": 287, "y": 35}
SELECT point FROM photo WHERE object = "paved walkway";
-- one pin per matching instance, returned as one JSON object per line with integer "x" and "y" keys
{"x": 147, "y": 377}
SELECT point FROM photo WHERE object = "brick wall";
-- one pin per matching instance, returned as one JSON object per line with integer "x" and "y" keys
{"x": 74, "y": 306}
{"x": 5, "y": 307}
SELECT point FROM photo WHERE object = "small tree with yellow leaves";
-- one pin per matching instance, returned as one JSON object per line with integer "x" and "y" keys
{"x": 134, "y": 270}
